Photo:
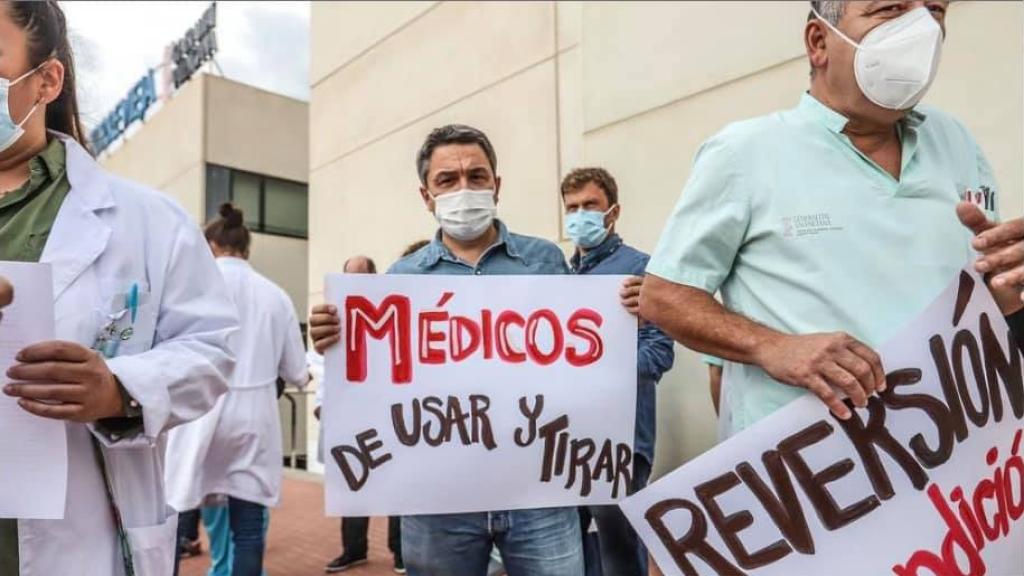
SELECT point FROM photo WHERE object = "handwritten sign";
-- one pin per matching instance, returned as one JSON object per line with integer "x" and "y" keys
{"x": 459, "y": 394}
{"x": 928, "y": 480}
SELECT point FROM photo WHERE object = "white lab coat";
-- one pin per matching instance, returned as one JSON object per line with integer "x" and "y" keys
{"x": 108, "y": 235}
{"x": 316, "y": 370}
{"x": 235, "y": 449}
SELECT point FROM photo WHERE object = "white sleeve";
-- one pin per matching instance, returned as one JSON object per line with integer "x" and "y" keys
{"x": 180, "y": 378}
{"x": 293, "y": 368}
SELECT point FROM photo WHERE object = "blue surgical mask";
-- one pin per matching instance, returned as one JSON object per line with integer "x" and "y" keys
{"x": 9, "y": 130}
{"x": 586, "y": 227}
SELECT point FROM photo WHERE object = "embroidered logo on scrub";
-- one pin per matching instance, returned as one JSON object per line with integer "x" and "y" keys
{"x": 808, "y": 225}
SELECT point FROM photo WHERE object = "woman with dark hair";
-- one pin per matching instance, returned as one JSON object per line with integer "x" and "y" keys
{"x": 235, "y": 449}
{"x": 142, "y": 319}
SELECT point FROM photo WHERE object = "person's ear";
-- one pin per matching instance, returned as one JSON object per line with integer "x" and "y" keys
{"x": 815, "y": 41}
{"x": 428, "y": 199}
{"x": 52, "y": 81}
{"x": 497, "y": 188}
{"x": 613, "y": 215}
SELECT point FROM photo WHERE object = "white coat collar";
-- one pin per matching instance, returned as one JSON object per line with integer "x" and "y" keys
{"x": 79, "y": 235}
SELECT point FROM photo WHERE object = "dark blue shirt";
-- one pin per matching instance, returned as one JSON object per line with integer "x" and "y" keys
{"x": 655, "y": 352}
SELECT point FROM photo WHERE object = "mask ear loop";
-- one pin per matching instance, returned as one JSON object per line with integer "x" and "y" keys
{"x": 834, "y": 29}
{"x": 26, "y": 75}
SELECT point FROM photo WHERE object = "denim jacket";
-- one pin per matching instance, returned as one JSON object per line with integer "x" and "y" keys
{"x": 655, "y": 352}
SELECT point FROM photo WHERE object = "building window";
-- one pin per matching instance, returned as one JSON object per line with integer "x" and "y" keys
{"x": 271, "y": 205}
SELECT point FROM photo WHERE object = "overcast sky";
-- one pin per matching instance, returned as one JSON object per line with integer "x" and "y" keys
{"x": 265, "y": 44}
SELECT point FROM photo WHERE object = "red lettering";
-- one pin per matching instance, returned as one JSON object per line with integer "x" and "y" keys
{"x": 577, "y": 327}
{"x": 391, "y": 319}
{"x": 488, "y": 333}
{"x": 428, "y": 353}
{"x": 464, "y": 338}
{"x": 1000, "y": 488}
{"x": 505, "y": 350}
{"x": 556, "y": 336}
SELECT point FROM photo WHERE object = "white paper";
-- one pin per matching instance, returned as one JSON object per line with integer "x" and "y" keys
{"x": 33, "y": 450}
{"x": 598, "y": 398}
{"x": 884, "y": 540}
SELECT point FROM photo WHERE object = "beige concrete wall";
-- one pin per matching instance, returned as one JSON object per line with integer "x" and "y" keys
{"x": 255, "y": 130}
{"x": 216, "y": 120}
{"x": 266, "y": 133}
{"x": 369, "y": 116}
{"x": 166, "y": 151}
{"x": 632, "y": 86}
{"x": 285, "y": 261}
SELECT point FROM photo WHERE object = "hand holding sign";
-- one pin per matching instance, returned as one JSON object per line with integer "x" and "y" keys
{"x": 64, "y": 381}
{"x": 6, "y": 292}
{"x": 1002, "y": 255}
{"x": 822, "y": 363}
{"x": 629, "y": 295}
{"x": 927, "y": 480}
{"x": 324, "y": 327}
{"x": 462, "y": 393}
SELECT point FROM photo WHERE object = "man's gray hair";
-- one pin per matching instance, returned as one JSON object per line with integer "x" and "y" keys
{"x": 830, "y": 10}
{"x": 452, "y": 134}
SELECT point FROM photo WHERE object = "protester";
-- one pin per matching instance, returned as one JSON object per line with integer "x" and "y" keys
{"x": 1001, "y": 257}
{"x": 591, "y": 200}
{"x": 235, "y": 449}
{"x": 414, "y": 247}
{"x": 795, "y": 217}
{"x": 155, "y": 356}
{"x": 459, "y": 185}
{"x": 354, "y": 540}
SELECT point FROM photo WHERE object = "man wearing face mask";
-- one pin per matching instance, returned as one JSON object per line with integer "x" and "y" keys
{"x": 459, "y": 186}
{"x": 591, "y": 200}
{"x": 829, "y": 226}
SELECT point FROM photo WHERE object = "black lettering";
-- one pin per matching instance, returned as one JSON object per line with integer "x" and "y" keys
{"x": 964, "y": 340}
{"x": 582, "y": 450}
{"x": 866, "y": 438}
{"x": 932, "y": 407}
{"x": 532, "y": 415}
{"x": 457, "y": 420}
{"x": 482, "y": 431}
{"x": 956, "y": 411}
{"x": 407, "y": 435}
{"x": 694, "y": 541}
{"x": 553, "y": 433}
{"x": 814, "y": 485}
{"x": 730, "y": 526}
{"x": 433, "y": 405}
{"x": 1000, "y": 368}
{"x": 784, "y": 509}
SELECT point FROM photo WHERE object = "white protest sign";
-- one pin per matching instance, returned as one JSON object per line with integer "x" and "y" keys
{"x": 471, "y": 393}
{"x": 928, "y": 480}
{"x": 33, "y": 450}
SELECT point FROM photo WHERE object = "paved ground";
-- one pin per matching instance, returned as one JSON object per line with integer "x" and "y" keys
{"x": 302, "y": 540}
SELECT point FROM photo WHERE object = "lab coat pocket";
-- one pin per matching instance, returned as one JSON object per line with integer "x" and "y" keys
{"x": 153, "y": 547}
{"x": 125, "y": 329}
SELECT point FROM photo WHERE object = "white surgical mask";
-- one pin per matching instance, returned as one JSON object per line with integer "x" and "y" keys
{"x": 897, "y": 60}
{"x": 10, "y": 131}
{"x": 466, "y": 214}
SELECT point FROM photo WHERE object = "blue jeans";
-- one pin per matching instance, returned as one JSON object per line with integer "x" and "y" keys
{"x": 620, "y": 551}
{"x": 542, "y": 542}
{"x": 237, "y": 537}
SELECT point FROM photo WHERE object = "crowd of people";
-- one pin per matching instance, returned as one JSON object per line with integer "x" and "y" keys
{"x": 797, "y": 220}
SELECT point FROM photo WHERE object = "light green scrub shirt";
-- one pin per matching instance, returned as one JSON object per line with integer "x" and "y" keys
{"x": 803, "y": 233}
